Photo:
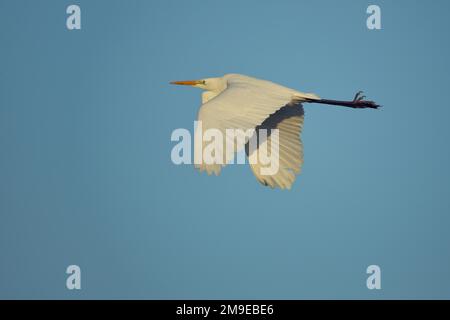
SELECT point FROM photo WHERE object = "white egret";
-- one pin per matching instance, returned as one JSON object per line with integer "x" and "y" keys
{"x": 240, "y": 102}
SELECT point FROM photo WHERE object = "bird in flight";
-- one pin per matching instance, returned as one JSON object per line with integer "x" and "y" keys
{"x": 243, "y": 102}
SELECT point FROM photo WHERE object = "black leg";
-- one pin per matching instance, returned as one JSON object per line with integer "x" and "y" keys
{"x": 358, "y": 102}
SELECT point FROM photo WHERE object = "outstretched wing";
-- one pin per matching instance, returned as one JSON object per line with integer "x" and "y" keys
{"x": 289, "y": 121}
{"x": 244, "y": 104}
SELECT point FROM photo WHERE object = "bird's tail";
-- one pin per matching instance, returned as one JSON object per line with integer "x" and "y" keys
{"x": 303, "y": 97}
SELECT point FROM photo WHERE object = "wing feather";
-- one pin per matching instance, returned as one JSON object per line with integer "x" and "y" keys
{"x": 245, "y": 104}
{"x": 289, "y": 121}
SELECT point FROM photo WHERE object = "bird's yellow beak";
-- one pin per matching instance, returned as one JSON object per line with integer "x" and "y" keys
{"x": 187, "y": 82}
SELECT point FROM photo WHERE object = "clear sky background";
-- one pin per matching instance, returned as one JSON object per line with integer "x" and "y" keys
{"x": 86, "y": 176}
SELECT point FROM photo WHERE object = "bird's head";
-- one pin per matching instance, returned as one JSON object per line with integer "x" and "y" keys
{"x": 209, "y": 84}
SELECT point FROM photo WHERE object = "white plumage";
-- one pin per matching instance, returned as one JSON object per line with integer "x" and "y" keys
{"x": 240, "y": 102}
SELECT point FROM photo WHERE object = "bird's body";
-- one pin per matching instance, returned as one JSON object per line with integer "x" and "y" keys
{"x": 240, "y": 102}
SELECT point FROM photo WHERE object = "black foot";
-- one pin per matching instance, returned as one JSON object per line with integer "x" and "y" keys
{"x": 359, "y": 102}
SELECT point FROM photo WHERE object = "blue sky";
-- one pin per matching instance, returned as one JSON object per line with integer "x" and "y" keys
{"x": 86, "y": 176}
